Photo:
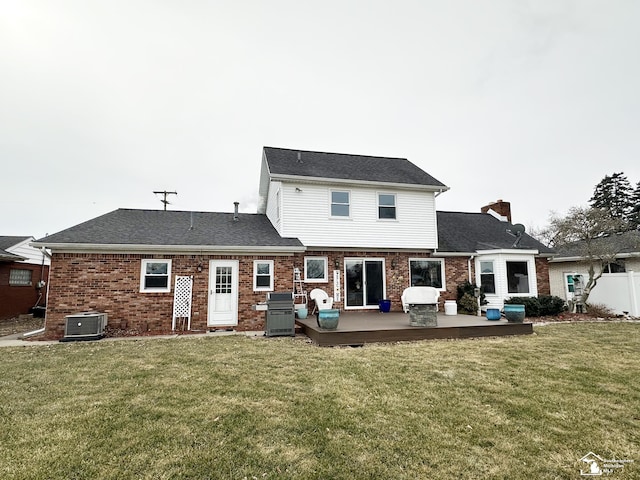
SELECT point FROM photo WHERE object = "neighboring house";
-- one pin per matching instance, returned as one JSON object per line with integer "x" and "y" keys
{"x": 361, "y": 228}
{"x": 23, "y": 274}
{"x": 619, "y": 286}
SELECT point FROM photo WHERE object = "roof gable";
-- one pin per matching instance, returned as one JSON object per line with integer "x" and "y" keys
{"x": 340, "y": 166}
{"x": 471, "y": 232}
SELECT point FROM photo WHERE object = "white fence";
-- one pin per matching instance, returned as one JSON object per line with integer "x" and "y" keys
{"x": 618, "y": 291}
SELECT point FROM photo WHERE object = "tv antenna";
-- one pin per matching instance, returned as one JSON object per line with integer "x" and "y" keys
{"x": 164, "y": 200}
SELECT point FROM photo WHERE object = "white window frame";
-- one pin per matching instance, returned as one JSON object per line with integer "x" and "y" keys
{"x": 325, "y": 278}
{"x": 530, "y": 289}
{"x": 492, "y": 273}
{"x": 331, "y": 203}
{"x": 569, "y": 293}
{"x": 257, "y": 288}
{"x": 430, "y": 259}
{"x": 144, "y": 274}
{"x": 394, "y": 206}
{"x": 20, "y": 277}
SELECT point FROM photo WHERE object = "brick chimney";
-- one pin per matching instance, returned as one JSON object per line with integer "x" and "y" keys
{"x": 500, "y": 207}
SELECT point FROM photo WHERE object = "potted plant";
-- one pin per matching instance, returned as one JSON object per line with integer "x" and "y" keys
{"x": 384, "y": 305}
{"x": 514, "y": 312}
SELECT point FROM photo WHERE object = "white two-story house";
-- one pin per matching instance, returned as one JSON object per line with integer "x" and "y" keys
{"x": 361, "y": 228}
{"x": 367, "y": 223}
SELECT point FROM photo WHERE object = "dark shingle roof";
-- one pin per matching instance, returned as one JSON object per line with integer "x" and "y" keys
{"x": 8, "y": 241}
{"x": 619, "y": 243}
{"x": 172, "y": 228}
{"x": 469, "y": 232}
{"x": 283, "y": 161}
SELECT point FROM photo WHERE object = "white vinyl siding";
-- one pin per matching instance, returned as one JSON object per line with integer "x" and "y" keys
{"x": 274, "y": 205}
{"x": 32, "y": 255}
{"x": 500, "y": 277}
{"x": 306, "y": 215}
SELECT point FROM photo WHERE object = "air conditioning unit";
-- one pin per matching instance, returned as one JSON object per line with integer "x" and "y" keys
{"x": 84, "y": 326}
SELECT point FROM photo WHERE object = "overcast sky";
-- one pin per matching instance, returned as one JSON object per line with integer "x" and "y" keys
{"x": 103, "y": 102}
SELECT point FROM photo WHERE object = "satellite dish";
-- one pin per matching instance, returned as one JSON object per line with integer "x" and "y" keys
{"x": 517, "y": 229}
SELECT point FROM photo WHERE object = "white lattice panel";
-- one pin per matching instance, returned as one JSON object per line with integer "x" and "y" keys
{"x": 182, "y": 294}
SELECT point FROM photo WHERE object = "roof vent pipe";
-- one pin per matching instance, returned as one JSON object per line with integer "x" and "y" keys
{"x": 299, "y": 157}
{"x": 235, "y": 211}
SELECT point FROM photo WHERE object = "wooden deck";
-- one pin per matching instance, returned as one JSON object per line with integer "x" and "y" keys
{"x": 368, "y": 327}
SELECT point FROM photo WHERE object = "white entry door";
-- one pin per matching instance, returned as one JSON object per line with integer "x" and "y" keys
{"x": 223, "y": 293}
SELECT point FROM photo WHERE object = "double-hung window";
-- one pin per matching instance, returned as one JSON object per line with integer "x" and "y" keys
{"x": 386, "y": 206}
{"x": 487, "y": 277}
{"x": 263, "y": 275}
{"x": 340, "y": 203}
{"x": 155, "y": 276}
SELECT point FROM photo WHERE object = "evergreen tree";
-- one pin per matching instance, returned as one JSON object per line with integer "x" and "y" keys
{"x": 634, "y": 214}
{"x": 614, "y": 195}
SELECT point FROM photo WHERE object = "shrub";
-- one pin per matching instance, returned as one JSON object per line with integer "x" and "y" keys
{"x": 600, "y": 310}
{"x": 551, "y": 305}
{"x": 468, "y": 288}
{"x": 468, "y": 304}
{"x": 543, "y": 305}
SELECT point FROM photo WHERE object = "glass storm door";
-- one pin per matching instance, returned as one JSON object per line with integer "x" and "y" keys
{"x": 364, "y": 283}
{"x": 223, "y": 293}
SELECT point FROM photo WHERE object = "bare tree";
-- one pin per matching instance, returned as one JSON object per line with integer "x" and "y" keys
{"x": 593, "y": 237}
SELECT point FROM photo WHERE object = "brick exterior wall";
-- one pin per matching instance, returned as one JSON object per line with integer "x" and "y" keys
{"x": 542, "y": 276}
{"x": 110, "y": 283}
{"x": 17, "y": 299}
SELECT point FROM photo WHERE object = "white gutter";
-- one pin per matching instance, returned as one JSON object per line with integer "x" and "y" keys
{"x": 34, "y": 332}
{"x": 181, "y": 249}
{"x": 346, "y": 181}
{"x": 557, "y": 259}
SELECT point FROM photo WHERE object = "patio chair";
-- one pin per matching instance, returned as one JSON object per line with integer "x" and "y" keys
{"x": 419, "y": 296}
{"x": 322, "y": 300}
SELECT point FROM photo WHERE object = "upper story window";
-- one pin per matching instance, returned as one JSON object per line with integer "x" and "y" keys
{"x": 340, "y": 203}
{"x": 155, "y": 275}
{"x": 487, "y": 277}
{"x": 263, "y": 275}
{"x": 315, "y": 269}
{"x": 426, "y": 272}
{"x": 518, "y": 277}
{"x": 386, "y": 206}
{"x": 19, "y": 277}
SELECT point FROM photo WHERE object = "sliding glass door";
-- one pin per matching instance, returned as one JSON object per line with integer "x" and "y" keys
{"x": 364, "y": 282}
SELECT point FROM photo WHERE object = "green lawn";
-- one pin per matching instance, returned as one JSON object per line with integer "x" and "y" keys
{"x": 237, "y": 407}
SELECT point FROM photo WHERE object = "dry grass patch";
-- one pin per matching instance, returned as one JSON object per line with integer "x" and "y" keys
{"x": 234, "y": 407}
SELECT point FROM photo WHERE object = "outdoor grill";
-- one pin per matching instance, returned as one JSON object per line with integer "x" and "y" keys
{"x": 280, "y": 314}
